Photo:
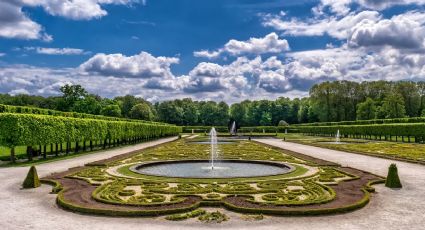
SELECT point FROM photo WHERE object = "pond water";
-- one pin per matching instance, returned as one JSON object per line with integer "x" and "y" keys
{"x": 222, "y": 169}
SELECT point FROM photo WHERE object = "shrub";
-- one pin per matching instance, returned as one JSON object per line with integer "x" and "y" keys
{"x": 31, "y": 181}
{"x": 216, "y": 217}
{"x": 393, "y": 181}
{"x": 184, "y": 216}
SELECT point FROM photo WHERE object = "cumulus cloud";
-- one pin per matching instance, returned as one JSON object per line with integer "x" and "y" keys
{"x": 14, "y": 23}
{"x": 334, "y": 26}
{"x": 268, "y": 44}
{"x": 142, "y": 65}
{"x": 401, "y": 31}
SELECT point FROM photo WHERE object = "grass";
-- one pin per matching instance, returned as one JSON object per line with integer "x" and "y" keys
{"x": 394, "y": 150}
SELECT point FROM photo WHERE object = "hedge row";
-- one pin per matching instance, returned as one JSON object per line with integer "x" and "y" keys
{"x": 203, "y": 129}
{"x": 39, "y": 111}
{"x": 416, "y": 130}
{"x": 32, "y": 130}
{"x": 367, "y": 122}
{"x": 260, "y": 129}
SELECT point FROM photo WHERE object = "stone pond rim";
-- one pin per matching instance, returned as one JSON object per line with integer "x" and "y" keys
{"x": 199, "y": 169}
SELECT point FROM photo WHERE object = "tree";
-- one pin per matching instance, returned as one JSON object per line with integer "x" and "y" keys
{"x": 90, "y": 104}
{"x": 266, "y": 119}
{"x": 142, "y": 111}
{"x": 238, "y": 113}
{"x": 111, "y": 111}
{"x": 366, "y": 110}
{"x": 170, "y": 112}
{"x": 411, "y": 97}
{"x": 71, "y": 94}
{"x": 393, "y": 106}
{"x": 190, "y": 111}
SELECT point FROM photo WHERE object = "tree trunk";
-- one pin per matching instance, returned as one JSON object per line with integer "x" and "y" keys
{"x": 44, "y": 152}
{"x": 29, "y": 153}
{"x": 12, "y": 155}
{"x": 57, "y": 150}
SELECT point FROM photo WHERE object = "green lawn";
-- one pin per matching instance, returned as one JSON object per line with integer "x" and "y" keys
{"x": 396, "y": 150}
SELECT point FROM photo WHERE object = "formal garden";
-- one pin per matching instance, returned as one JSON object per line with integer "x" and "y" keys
{"x": 132, "y": 184}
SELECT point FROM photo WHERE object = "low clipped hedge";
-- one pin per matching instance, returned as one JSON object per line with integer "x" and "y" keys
{"x": 368, "y": 122}
{"x": 204, "y": 129}
{"x": 60, "y": 200}
{"x": 406, "y": 129}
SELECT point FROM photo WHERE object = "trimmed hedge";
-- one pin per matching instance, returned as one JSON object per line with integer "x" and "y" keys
{"x": 416, "y": 130}
{"x": 393, "y": 181}
{"x": 203, "y": 129}
{"x": 31, "y": 130}
{"x": 39, "y": 111}
{"x": 367, "y": 122}
{"x": 31, "y": 181}
{"x": 259, "y": 129}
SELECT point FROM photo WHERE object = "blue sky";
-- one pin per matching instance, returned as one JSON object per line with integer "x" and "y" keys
{"x": 217, "y": 50}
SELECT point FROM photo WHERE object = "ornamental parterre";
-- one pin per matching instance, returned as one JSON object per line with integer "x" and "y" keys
{"x": 313, "y": 187}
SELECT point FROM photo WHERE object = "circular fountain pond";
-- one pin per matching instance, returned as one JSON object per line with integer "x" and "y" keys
{"x": 203, "y": 169}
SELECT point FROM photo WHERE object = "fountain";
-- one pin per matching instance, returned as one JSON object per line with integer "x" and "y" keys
{"x": 233, "y": 128}
{"x": 286, "y": 131}
{"x": 338, "y": 137}
{"x": 207, "y": 169}
{"x": 213, "y": 140}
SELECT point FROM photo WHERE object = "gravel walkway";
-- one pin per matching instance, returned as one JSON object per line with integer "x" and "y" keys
{"x": 389, "y": 209}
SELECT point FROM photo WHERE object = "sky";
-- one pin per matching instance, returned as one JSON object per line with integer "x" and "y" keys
{"x": 222, "y": 50}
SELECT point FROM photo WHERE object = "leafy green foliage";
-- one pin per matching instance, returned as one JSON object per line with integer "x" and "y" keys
{"x": 393, "y": 181}
{"x": 32, "y": 180}
{"x": 187, "y": 215}
{"x": 142, "y": 111}
{"x": 213, "y": 217}
{"x": 28, "y": 130}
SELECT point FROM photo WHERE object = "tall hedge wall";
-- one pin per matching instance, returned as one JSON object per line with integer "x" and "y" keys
{"x": 30, "y": 130}
{"x": 34, "y": 110}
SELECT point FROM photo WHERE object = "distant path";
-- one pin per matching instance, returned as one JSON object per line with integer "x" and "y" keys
{"x": 36, "y": 208}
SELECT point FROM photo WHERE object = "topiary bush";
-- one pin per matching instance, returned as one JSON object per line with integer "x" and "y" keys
{"x": 393, "y": 181}
{"x": 32, "y": 180}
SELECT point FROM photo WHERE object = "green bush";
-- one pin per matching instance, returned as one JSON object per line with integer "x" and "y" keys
{"x": 31, "y": 130}
{"x": 393, "y": 181}
{"x": 31, "y": 181}
{"x": 215, "y": 217}
{"x": 184, "y": 216}
{"x": 34, "y": 110}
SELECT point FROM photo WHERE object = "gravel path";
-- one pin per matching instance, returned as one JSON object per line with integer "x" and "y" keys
{"x": 389, "y": 209}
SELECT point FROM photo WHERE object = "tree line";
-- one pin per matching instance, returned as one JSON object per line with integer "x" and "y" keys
{"x": 327, "y": 102}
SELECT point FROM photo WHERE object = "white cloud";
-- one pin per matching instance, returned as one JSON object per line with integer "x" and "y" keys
{"x": 268, "y": 44}
{"x": 2, "y": 54}
{"x": 14, "y": 23}
{"x": 142, "y": 65}
{"x": 57, "y": 51}
{"x": 401, "y": 31}
{"x": 334, "y": 26}
{"x": 77, "y": 9}
{"x": 343, "y": 7}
